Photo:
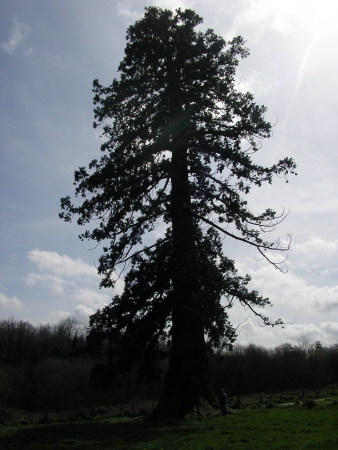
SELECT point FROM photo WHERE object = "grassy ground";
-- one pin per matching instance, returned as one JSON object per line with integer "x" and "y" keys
{"x": 276, "y": 428}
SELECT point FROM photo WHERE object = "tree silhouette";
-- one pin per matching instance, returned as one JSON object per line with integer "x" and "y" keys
{"x": 177, "y": 151}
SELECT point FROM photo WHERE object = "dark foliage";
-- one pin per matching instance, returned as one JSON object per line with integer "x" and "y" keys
{"x": 136, "y": 325}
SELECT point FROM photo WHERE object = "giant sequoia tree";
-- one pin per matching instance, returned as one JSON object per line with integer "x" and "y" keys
{"x": 178, "y": 152}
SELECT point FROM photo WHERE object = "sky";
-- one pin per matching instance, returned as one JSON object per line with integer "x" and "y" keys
{"x": 51, "y": 51}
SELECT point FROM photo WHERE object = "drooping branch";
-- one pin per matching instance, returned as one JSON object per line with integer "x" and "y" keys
{"x": 258, "y": 246}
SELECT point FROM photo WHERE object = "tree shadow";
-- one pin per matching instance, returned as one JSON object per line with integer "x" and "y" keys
{"x": 97, "y": 434}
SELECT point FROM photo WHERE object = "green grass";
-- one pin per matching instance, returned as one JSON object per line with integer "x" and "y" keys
{"x": 276, "y": 428}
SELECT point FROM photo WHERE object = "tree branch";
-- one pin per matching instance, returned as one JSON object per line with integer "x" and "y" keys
{"x": 144, "y": 249}
{"x": 258, "y": 246}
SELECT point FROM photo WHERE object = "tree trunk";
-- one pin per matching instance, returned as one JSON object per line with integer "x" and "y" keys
{"x": 188, "y": 389}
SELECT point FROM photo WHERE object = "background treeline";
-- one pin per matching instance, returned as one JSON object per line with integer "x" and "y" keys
{"x": 46, "y": 366}
{"x": 253, "y": 369}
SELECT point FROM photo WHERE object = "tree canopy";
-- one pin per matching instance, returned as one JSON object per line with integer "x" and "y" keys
{"x": 178, "y": 151}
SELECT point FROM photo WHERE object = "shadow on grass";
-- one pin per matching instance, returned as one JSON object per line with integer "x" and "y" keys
{"x": 101, "y": 434}
{"x": 284, "y": 428}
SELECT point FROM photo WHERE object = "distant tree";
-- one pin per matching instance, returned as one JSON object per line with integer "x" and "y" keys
{"x": 61, "y": 384}
{"x": 179, "y": 140}
{"x": 332, "y": 363}
{"x": 20, "y": 341}
{"x": 16, "y": 340}
{"x": 5, "y": 387}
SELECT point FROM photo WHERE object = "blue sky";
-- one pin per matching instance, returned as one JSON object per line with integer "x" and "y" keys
{"x": 50, "y": 52}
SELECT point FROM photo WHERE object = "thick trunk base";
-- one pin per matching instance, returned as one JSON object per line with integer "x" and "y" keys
{"x": 186, "y": 397}
{"x": 178, "y": 409}
{"x": 202, "y": 409}
{"x": 175, "y": 410}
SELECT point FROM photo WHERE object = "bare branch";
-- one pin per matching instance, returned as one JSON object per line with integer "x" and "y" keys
{"x": 274, "y": 263}
{"x": 240, "y": 323}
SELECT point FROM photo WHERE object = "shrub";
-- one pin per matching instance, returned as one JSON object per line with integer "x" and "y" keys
{"x": 309, "y": 403}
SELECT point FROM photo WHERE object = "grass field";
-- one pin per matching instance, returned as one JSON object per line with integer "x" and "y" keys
{"x": 291, "y": 427}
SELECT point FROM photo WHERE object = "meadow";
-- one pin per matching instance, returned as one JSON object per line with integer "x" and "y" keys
{"x": 294, "y": 426}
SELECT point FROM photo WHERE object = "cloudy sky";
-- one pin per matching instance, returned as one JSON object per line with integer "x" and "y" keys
{"x": 50, "y": 52}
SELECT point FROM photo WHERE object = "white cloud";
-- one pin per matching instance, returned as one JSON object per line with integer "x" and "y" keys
{"x": 61, "y": 265}
{"x": 55, "y": 284}
{"x": 71, "y": 281}
{"x": 290, "y": 290}
{"x": 263, "y": 14}
{"x": 11, "y": 303}
{"x": 284, "y": 17}
{"x": 82, "y": 313}
{"x": 125, "y": 9}
{"x": 327, "y": 301}
{"x": 303, "y": 296}
{"x": 17, "y": 35}
{"x": 175, "y": 4}
{"x": 56, "y": 288}
{"x": 91, "y": 298}
{"x": 330, "y": 330}
{"x": 250, "y": 331}
{"x": 316, "y": 248}
{"x": 325, "y": 332}
{"x": 303, "y": 332}
{"x": 316, "y": 261}
{"x": 62, "y": 275}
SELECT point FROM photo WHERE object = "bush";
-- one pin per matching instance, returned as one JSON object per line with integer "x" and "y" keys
{"x": 101, "y": 411}
{"x": 309, "y": 403}
{"x": 270, "y": 406}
